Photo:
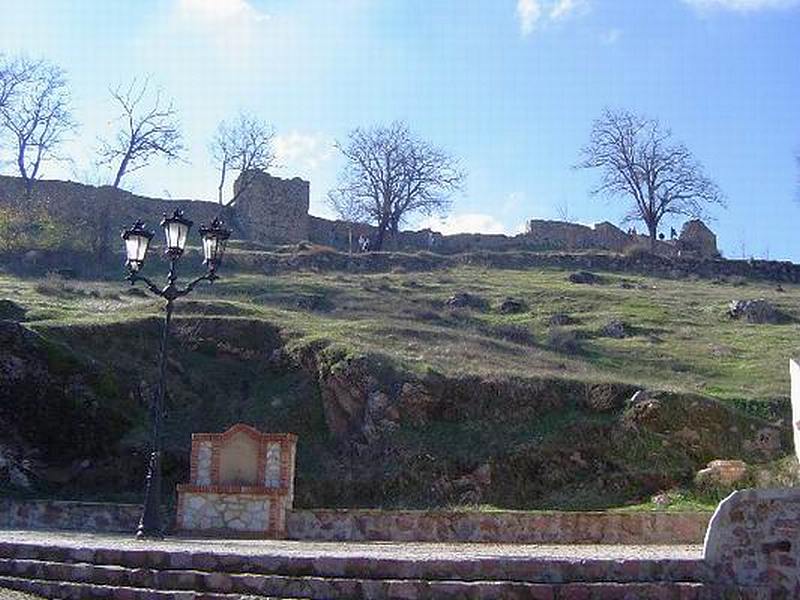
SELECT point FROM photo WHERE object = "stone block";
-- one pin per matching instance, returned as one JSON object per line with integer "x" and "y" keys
{"x": 794, "y": 370}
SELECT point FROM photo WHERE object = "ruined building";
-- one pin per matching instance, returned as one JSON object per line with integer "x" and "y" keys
{"x": 273, "y": 210}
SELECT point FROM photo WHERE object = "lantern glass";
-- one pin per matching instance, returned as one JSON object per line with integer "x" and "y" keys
{"x": 137, "y": 241}
{"x": 215, "y": 238}
{"x": 176, "y": 231}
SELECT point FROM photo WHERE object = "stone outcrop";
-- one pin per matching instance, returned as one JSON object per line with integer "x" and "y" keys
{"x": 755, "y": 311}
{"x": 724, "y": 473}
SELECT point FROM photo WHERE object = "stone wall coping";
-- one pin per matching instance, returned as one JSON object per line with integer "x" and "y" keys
{"x": 256, "y": 490}
{"x": 57, "y": 502}
{"x": 501, "y": 513}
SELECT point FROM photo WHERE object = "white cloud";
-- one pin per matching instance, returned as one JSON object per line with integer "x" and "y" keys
{"x": 302, "y": 152}
{"x": 529, "y": 12}
{"x": 463, "y": 223}
{"x": 220, "y": 12}
{"x": 534, "y": 13}
{"x": 562, "y": 9}
{"x": 742, "y": 5}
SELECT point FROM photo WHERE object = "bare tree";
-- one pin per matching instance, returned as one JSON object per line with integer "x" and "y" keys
{"x": 35, "y": 111}
{"x": 148, "y": 129}
{"x": 243, "y": 147}
{"x": 390, "y": 175}
{"x": 12, "y": 73}
{"x": 640, "y": 161}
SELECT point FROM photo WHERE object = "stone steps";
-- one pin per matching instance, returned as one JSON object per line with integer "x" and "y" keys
{"x": 64, "y": 571}
{"x": 80, "y": 581}
{"x": 529, "y": 570}
{"x": 65, "y": 590}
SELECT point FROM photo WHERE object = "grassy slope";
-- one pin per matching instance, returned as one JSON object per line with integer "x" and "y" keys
{"x": 682, "y": 339}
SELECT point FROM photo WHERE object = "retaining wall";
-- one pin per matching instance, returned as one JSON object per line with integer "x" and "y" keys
{"x": 499, "y": 527}
{"x": 401, "y": 526}
{"x": 73, "y": 516}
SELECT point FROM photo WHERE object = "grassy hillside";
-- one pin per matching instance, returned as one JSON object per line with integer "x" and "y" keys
{"x": 400, "y": 399}
{"x": 680, "y": 335}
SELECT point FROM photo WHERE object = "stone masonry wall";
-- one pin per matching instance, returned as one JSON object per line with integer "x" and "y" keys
{"x": 754, "y": 540}
{"x": 74, "y": 516}
{"x": 250, "y": 514}
{"x": 500, "y": 527}
{"x": 273, "y": 210}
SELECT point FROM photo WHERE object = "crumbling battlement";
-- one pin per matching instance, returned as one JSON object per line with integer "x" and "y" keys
{"x": 273, "y": 210}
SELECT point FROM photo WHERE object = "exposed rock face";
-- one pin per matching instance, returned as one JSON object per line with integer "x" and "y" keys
{"x": 585, "y": 277}
{"x": 702, "y": 427}
{"x": 560, "y": 319}
{"x": 755, "y": 311}
{"x": 725, "y": 473}
{"x": 465, "y": 300}
{"x": 605, "y": 397}
{"x": 614, "y": 329}
{"x": 512, "y": 306}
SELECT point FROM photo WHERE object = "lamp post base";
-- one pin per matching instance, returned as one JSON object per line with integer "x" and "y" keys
{"x": 150, "y": 523}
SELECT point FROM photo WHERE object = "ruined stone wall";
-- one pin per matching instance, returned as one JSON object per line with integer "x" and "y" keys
{"x": 754, "y": 540}
{"x": 273, "y": 210}
{"x": 97, "y": 215}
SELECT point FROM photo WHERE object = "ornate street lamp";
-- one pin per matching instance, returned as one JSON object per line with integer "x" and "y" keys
{"x": 137, "y": 241}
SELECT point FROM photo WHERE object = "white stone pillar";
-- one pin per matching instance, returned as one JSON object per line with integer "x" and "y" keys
{"x": 794, "y": 370}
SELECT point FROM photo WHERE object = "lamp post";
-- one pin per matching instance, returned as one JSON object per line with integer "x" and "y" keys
{"x": 137, "y": 241}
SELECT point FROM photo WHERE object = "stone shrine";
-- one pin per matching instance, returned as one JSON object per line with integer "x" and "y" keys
{"x": 242, "y": 483}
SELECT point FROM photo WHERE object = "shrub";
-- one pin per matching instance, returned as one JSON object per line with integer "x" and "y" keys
{"x": 563, "y": 340}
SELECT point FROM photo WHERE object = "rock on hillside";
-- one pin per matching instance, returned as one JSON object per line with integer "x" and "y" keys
{"x": 755, "y": 311}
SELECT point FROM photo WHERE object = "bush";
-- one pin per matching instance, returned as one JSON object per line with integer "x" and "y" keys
{"x": 563, "y": 340}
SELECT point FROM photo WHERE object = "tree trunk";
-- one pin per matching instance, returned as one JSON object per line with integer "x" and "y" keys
{"x": 123, "y": 166}
{"x": 380, "y": 236}
{"x": 653, "y": 232}
{"x": 221, "y": 185}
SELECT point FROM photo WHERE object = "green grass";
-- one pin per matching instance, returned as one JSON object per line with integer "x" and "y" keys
{"x": 682, "y": 339}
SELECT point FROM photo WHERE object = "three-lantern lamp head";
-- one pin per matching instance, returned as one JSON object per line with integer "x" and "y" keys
{"x": 176, "y": 231}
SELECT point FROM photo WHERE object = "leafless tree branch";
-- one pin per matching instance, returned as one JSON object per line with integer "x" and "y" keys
{"x": 34, "y": 109}
{"x": 638, "y": 160}
{"x": 243, "y": 147}
{"x": 390, "y": 175}
{"x": 148, "y": 128}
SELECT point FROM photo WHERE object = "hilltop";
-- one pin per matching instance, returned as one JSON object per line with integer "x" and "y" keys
{"x": 443, "y": 382}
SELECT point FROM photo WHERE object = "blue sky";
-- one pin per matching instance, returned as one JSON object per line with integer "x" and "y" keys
{"x": 509, "y": 86}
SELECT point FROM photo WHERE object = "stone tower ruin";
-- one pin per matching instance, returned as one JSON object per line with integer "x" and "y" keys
{"x": 272, "y": 209}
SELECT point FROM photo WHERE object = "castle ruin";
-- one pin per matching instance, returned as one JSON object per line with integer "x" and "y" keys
{"x": 275, "y": 211}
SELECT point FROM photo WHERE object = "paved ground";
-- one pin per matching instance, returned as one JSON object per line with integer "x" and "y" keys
{"x": 12, "y": 595}
{"x": 393, "y": 550}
